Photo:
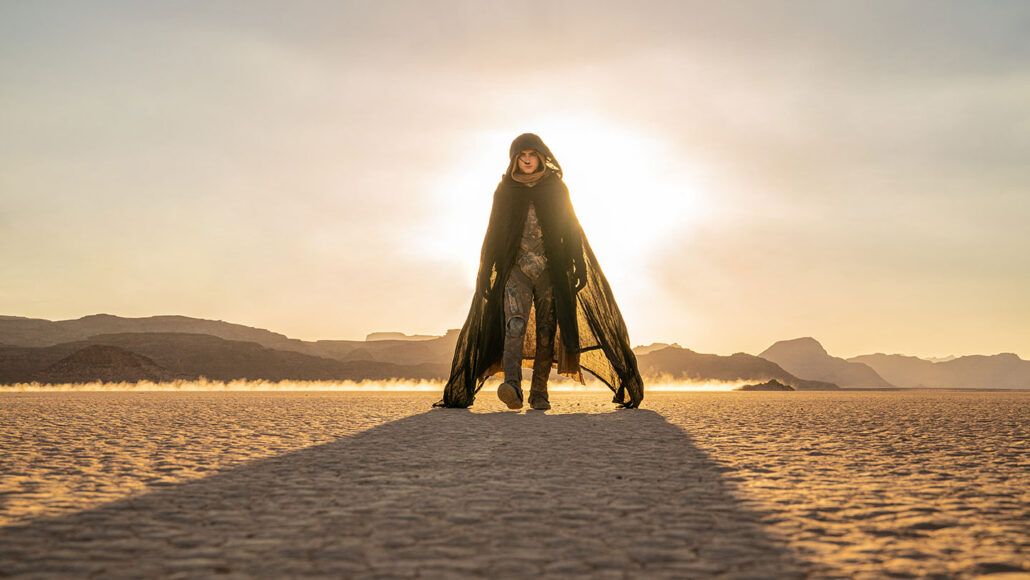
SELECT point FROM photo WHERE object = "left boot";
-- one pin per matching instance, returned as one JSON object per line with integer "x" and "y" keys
{"x": 538, "y": 400}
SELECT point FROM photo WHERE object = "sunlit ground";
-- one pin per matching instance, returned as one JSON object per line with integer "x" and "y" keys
{"x": 391, "y": 385}
{"x": 846, "y": 484}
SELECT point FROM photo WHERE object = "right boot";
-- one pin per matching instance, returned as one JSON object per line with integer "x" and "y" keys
{"x": 510, "y": 394}
{"x": 538, "y": 400}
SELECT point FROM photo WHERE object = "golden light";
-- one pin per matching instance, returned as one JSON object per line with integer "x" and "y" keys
{"x": 629, "y": 190}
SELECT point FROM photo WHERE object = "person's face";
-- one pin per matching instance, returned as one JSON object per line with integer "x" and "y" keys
{"x": 528, "y": 161}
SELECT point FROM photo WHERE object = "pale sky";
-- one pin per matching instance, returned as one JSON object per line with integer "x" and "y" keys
{"x": 746, "y": 172}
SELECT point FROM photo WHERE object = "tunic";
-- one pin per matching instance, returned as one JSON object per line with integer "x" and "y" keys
{"x": 531, "y": 258}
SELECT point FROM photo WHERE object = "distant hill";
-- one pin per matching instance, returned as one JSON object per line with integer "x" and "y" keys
{"x": 639, "y": 350}
{"x": 1000, "y": 371}
{"x": 104, "y": 363}
{"x": 19, "y": 331}
{"x": 685, "y": 364}
{"x": 195, "y": 355}
{"x": 191, "y": 347}
{"x": 438, "y": 350}
{"x": 772, "y": 385}
{"x": 806, "y": 358}
{"x": 373, "y": 336}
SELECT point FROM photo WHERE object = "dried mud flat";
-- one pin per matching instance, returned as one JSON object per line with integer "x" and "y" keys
{"x": 377, "y": 485}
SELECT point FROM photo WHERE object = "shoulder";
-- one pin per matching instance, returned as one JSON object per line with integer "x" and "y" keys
{"x": 505, "y": 183}
{"x": 556, "y": 186}
{"x": 505, "y": 190}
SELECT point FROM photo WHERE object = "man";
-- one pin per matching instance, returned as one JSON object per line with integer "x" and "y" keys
{"x": 528, "y": 285}
{"x": 537, "y": 264}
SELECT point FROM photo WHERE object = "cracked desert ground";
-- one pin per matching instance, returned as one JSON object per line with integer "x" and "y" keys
{"x": 907, "y": 484}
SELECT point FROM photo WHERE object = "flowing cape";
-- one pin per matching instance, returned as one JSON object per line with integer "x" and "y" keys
{"x": 591, "y": 333}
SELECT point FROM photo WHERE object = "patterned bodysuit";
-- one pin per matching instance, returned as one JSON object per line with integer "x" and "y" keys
{"x": 531, "y": 257}
{"x": 528, "y": 285}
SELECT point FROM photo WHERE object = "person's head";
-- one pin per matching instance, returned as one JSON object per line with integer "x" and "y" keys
{"x": 528, "y": 161}
{"x": 529, "y": 155}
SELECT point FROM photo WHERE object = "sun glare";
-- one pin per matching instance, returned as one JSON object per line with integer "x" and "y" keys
{"x": 629, "y": 190}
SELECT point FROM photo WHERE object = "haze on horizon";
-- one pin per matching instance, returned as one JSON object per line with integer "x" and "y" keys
{"x": 746, "y": 172}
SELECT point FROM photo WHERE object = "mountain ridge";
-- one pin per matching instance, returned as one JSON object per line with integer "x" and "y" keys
{"x": 806, "y": 357}
{"x": 191, "y": 356}
{"x": 428, "y": 356}
{"x": 1003, "y": 370}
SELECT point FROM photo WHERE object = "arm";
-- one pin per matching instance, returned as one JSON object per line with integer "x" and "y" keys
{"x": 574, "y": 242}
{"x": 488, "y": 256}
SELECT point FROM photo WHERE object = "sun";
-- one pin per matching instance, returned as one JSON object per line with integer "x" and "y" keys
{"x": 629, "y": 189}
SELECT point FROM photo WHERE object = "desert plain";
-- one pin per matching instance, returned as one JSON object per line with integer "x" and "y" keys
{"x": 238, "y": 484}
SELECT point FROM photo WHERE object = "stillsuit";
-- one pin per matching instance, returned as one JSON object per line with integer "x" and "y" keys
{"x": 527, "y": 285}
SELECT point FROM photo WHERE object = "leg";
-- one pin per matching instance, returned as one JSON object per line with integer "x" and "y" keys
{"x": 517, "y": 294}
{"x": 546, "y": 326}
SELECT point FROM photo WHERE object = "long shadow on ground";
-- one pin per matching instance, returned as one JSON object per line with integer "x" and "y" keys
{"x": 447, "y": 493}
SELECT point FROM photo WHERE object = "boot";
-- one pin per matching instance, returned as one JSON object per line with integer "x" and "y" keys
{"x": 511, "y": 394}
{"x": 538, "y": 399}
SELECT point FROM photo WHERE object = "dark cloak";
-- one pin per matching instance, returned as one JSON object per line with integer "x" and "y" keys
{"x": 591, "y": 333}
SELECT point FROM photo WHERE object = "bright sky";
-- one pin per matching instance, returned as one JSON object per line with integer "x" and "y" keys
{"x": 746, "y": 172}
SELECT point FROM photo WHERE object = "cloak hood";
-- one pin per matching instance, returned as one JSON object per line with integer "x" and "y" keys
{"x": 591, "y": 333}
{"x": 532, "y": 141}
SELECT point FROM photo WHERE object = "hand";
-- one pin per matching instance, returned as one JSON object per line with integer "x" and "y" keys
{"x": 486, "y": 272}
{"x": 484, "y": 287}
{"x": 580, "y": 278}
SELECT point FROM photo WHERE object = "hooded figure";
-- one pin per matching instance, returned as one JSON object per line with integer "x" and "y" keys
{"x": 591, "y": 334}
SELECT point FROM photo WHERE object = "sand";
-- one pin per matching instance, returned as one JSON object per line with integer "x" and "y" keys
{"x": 378, "y": 485}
